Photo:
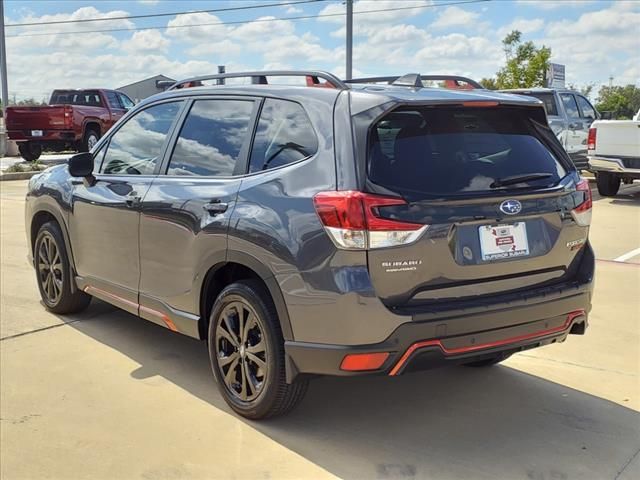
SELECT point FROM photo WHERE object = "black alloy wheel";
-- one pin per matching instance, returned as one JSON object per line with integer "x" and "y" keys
{"x": 241, "y": 350}
{"x": 50, "y": 272}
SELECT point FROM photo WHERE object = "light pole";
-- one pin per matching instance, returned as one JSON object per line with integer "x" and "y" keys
{"x": 3, "y": 61}
{"x": 348, "y": 72}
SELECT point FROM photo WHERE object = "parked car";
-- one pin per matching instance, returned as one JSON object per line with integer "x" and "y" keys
{"x": 302, "y": 231}
{"x": 570, "y": 115}
{"x": 73, "y": 120}
{"x": 614, "y": 153}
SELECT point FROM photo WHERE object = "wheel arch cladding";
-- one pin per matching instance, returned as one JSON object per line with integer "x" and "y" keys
{"x": 91, "y": 125}
{"x": 225, "y": 273}
{"x": 43, "y": 216}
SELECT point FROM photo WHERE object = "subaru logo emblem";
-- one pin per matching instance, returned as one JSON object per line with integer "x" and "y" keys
{"x": 510, "y": 207}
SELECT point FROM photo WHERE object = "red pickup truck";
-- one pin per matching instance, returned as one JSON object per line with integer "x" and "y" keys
{"x": 73, "y": 120}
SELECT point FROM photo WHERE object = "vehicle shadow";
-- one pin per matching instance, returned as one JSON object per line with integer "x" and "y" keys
{"x": 449, "y": 423}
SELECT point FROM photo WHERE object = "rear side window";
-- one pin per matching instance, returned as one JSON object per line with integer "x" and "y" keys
{"x": 112, "y": 98}
{"x": 284, "y": 135}
{"x": 212, "y": 138}
{"x": 570, "y": 105}
{"x": 547, "y": 98}
{"x": 453, "y": 151}
{"x": 586, "y": 110}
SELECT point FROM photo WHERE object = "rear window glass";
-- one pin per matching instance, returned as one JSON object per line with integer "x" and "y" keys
{"x": 547, "y": 98}
{"x": 450, "y": 151}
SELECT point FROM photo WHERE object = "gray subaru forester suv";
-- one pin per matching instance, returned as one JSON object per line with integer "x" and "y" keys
{"x": 375, "y": 226}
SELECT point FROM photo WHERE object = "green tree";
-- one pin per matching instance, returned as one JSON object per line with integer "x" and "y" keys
{"x": 526, "y": 65}
{"x": 622, "y": 102}
{"x": 489, "y": 83}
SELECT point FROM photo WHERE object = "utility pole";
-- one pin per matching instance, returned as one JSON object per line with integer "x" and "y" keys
{"x": 3, "y": 61}
{"x": 610, "y": 81}
{"x": 349, "y": 72}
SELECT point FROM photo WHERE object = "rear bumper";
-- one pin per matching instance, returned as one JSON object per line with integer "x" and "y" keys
{"x": 423, "y": 345}
{"x": 626, "y": 165}
{"x": 47, "y": 136}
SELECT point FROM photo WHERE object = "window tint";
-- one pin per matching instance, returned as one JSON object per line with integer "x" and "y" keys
{"x": 547, "y": 98}
{"x": 570, "y": 105}
{"x": 586, "y": 109}
{"x": 134, "y": 149}
{"x": 211, "y": 138}
{"x": 284, "y": 135}
{"x": 449, "y": 151}
{"x": 125, "y": 101}
{"x": 112, "y": 98}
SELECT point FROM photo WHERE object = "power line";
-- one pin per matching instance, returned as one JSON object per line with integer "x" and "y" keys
{"x": 240, "y": 22}
{"x": 167, "y": 14}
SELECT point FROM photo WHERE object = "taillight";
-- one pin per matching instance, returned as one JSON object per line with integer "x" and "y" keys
{"x": 68, "y": 116}
{"x": 582, "y": 213}
{"x": 591, "y": 139}
{"x": 353, "y": 222}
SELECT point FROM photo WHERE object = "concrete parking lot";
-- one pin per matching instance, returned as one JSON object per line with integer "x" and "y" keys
{"x": 104, "y": 395}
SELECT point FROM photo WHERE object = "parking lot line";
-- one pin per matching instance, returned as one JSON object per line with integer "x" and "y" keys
{"x": 627, "y": 256}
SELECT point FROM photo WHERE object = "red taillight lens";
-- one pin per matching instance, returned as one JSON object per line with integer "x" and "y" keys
{"x": 359, "y": 362}
{"x": 352, "y": 219}
{"x": 591, "y": 139}
{"x": 582, "y": 212}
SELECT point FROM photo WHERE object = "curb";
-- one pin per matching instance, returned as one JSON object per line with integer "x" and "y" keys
{"x": 18, "y": 175}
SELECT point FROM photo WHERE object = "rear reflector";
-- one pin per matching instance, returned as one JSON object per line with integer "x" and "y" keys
{"x": 353, "y": 222}
{"x": 359, "y": 362}
{"x": 582, "y": 213}
{"x": 591, "y": 139}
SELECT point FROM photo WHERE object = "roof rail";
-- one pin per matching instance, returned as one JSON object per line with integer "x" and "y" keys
{"x": 391, "y": 80}
{"x": 260, "y": 78}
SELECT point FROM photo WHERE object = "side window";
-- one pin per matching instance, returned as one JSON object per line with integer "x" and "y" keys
{"x": 570, "y": 105}
{"x": 284, "y": 135}
{"x": 112, "y": 98}
{"x": 212, "y": 137}
{"x": 125, "y": 101}
{"x": 586, "y": 110}
{"x": 135, "y": 148}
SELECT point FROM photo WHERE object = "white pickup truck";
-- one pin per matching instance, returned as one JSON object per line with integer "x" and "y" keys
{"x": 613, "y": 151}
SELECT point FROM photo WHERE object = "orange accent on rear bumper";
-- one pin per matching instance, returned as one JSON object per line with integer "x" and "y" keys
{"x": 360, "y": 362}
{"x": 481, "y": 346}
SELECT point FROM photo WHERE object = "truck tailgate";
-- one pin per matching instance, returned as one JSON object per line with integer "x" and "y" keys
{"x": 36, "y": 118}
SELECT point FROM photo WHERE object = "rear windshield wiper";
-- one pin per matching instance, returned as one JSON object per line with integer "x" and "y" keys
{"x": 503, "y": 182}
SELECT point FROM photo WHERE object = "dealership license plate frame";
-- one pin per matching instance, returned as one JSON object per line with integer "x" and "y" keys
{"x": 504, "y": 241}
{"x": 37, "y": 133}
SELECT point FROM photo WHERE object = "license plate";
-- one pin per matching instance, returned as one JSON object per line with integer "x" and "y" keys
{"x": 36, "y": 133}
{"x": 498, "y": 242}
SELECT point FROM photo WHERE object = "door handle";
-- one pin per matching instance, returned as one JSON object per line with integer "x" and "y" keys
{"x": 133, "y": 199}
{"x": 215, "y": 207}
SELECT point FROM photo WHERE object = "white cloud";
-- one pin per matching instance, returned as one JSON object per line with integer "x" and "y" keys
{"x": 523, "y": 25}
{"x": 455, "y": 17}
{"x": 147, "y": 41}
{"x": 392, "y": 15}
{"x": 555, "y": 4}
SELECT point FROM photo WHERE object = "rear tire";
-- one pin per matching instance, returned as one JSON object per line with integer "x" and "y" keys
{"x": 489, "y": 362}
{"x": 54, "y": 274}
{"x": 90, "y": 138}
{"x": 30, "y": 151}
{"x": 246, "y": 353}
{"x": 608, "y": 184}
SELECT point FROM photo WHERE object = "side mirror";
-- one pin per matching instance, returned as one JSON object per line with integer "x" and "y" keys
{"x": 81, "y": 165}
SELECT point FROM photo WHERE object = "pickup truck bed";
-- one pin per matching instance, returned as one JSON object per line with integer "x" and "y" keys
{"x": 614, "y": 153}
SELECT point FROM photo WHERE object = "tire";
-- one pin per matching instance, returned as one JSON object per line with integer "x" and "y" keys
{"x": 30, "y": 151}
{"x": 252, "y": 390}
{"x": 608, "y": 184}
{"x": 90, "y": 138}
{"x": 53, "y": 272}
{"x": 489, "y": 362}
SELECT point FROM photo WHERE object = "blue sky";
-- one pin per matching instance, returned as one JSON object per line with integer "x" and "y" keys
{"x": 595, "y": 39}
